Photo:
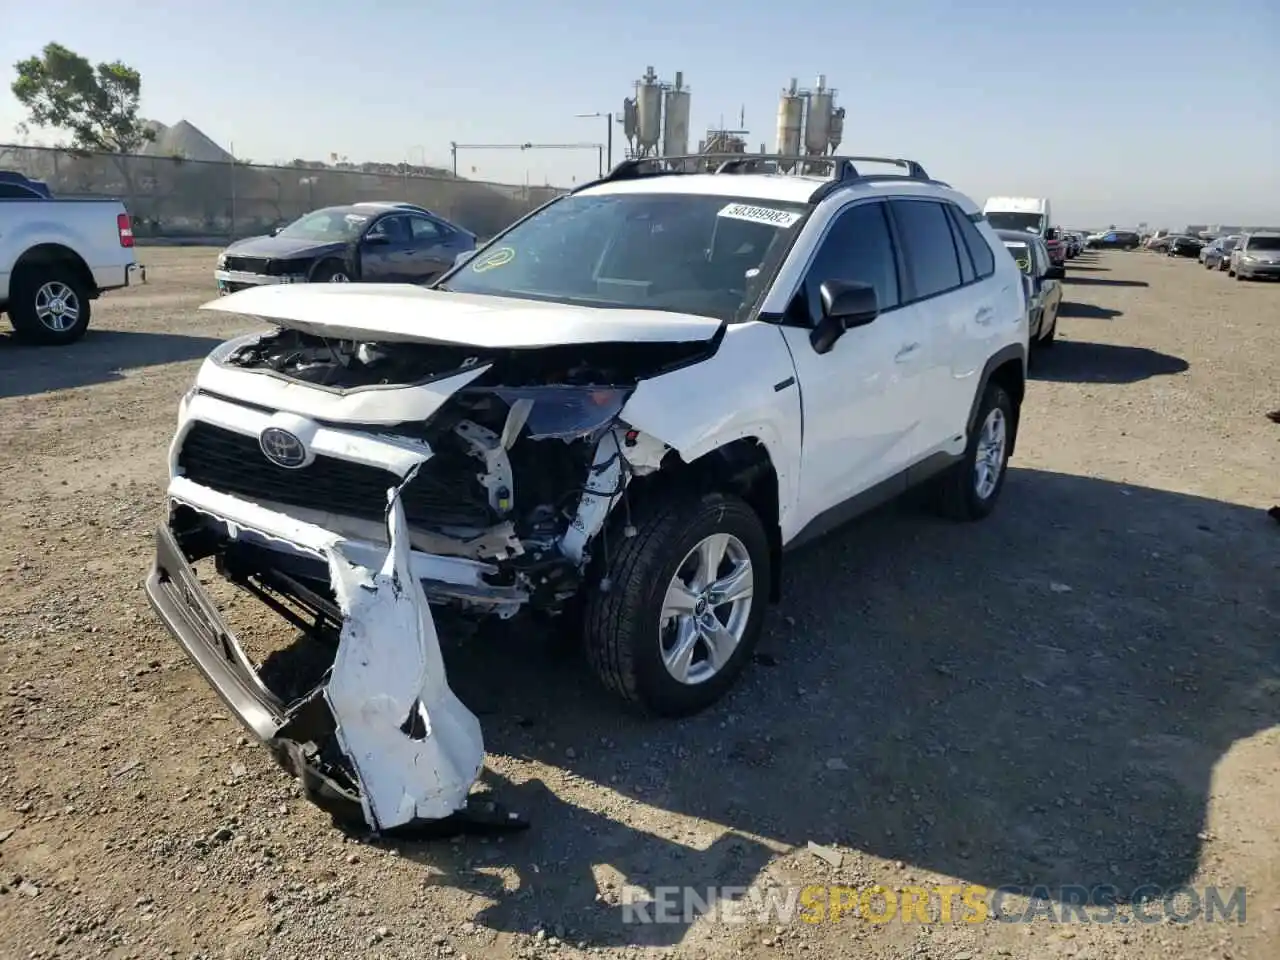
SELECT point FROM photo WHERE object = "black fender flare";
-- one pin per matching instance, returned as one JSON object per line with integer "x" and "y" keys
{"x": 1013, "y": 351}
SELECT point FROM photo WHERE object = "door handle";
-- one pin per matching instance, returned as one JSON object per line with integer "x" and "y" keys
{"x": 906, "y": 351}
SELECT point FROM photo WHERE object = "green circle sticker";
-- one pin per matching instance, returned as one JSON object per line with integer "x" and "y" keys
{"x": 494, "y": 258}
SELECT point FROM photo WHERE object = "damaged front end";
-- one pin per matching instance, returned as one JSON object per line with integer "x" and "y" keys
{"x": 359, "y": 490}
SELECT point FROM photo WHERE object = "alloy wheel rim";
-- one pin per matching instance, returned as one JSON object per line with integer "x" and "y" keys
{"x": 989, "y": 463}
{"x": 57, "y": 306}
{"x": 706, "y": 609}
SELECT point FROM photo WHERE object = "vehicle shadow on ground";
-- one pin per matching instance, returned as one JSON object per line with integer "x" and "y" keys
{"x": 100, "y": 357}
{"x": 1087, "y": 311}
{"x": 1036, "y": 699}
{"x": 1079, "y": 361}
{"x": 1104, "y": 282}
{"x": 1087, "y": 266}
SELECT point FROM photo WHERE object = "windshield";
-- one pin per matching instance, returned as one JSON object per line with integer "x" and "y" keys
{"x": 329, "y": 225}
{"x": 1021, "y": 254}
{"x": 704, "y": 255}
{"x": 1028, "y": 222}
{"x": 1264, "y": 243}
{"x": 1228, "y": 244}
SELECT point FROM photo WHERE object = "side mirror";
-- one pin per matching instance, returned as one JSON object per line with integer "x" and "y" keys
{"x": 845, "y": 304}
{"x": 275, "y": 231}
{"x": 377, "y": 240}
{"x": 463, "y": 257}
{"x": 1055, "y": 273}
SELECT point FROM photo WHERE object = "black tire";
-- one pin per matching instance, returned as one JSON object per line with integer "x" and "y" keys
{"x": 1239, "y": 276}
{"x": 31, "y": 286}
{"x": 329, "y": 270}
{"x": 621, "y": 625}
{"x": 1047, "y": 340}
{"x": 955, "y": 493}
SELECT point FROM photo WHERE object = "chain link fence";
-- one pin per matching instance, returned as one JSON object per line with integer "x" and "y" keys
{"x": 173, "y": 199}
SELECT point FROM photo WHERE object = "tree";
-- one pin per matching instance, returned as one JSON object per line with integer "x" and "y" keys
{"x": 98, "y": 105}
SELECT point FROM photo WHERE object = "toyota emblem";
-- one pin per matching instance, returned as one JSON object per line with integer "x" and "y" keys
{"x": 282, "y": 448}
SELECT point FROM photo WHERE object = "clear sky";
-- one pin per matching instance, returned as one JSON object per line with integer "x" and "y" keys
{"x": 1118, "y": 110}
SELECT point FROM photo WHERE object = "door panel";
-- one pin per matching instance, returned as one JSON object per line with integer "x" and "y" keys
{"x": 856, "y": 398}
{"x": 432, "y": 253}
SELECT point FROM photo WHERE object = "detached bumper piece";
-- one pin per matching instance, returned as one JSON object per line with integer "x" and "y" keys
{"x": 383, "y": 740}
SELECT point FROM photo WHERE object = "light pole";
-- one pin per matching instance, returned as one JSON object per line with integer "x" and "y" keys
{"x": 608, "y": 140}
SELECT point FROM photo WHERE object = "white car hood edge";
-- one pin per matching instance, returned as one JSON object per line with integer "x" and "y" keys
{"x": 411, "y": 314}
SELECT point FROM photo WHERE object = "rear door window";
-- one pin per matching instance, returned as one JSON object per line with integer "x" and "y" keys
{"x": 929, "y": 248}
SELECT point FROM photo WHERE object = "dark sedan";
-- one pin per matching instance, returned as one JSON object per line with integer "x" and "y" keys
{"x": 1042, "y": 281}
{"x": 1184, "y": 247}
{"x": 1115, "y": 240}
{"x": 359, "y": 242}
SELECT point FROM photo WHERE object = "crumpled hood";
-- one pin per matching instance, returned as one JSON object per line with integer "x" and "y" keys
{"x": 410, "y": 314}
{"x": 279, "y": 248}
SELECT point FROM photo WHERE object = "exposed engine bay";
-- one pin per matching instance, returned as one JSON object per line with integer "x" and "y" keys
{"x": 367, "y": 532}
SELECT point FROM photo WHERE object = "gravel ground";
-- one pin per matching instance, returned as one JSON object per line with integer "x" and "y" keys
{"x": 1083, "y": 690}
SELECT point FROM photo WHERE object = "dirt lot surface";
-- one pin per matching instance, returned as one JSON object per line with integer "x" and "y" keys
{"x": 1083, "y": 690}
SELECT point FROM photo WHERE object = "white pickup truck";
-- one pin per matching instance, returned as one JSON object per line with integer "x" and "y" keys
{"x": 56, "y": 257}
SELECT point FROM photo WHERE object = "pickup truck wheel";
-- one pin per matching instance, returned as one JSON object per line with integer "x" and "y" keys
{"x": 684, "y": 604}
{"x": 969, "y": 490}
{"x": 49, "y": 305}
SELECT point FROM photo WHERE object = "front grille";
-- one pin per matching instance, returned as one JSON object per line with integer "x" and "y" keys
{"x": 445, "y": 492}
{"x": 247, "y": 264}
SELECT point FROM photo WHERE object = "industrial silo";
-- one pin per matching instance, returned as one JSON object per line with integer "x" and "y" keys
{"x": 790, "y": 122}
{"x": 648, "y": 114}
{"x": 675, "y": 129}
{"x": 817, "y": 130}
{"x": 835, "y": 132}
{"x": 630, "y": 123}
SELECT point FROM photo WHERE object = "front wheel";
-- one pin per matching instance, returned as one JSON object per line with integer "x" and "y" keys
{"x": 331, "y": 271}
{"x": 682, "y": 603}
{"x": 49, "y": 304}
{"x": 969, "y": 489}
{"x": 1049, "y": 337}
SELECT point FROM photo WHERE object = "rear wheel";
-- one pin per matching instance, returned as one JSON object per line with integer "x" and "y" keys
{"x": 684, "y": 604}
{"x": 969, "y": 490}
{"x": 49, "y": 304}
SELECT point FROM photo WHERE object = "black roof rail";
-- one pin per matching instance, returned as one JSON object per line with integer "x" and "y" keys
{"x": 840, "y": 169}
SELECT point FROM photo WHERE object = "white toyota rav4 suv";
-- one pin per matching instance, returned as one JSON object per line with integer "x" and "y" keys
{"x": 622, "y": 411}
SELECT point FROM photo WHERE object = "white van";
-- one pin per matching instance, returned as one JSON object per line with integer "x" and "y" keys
{"x": 1019, "y": 213}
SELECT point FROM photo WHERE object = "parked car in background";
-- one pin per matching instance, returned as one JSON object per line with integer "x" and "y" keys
{"x": 1216, "y": 254}
{"x": 357, "y": 242}
{"x": 1115, "y": 240}
{"x": 56, "y": 257}
{"x": 1256, "y": 256}
{"x": 1019, "y": 213}
{"x": 1184, "y": 246}
{"x": 1042, "y": 282}
{"x": 1056, "y": 246}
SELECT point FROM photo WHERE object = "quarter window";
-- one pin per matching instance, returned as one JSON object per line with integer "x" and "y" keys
{"x": 930, "y": 252}
{"x": 859, "y": 248}
{"x": 984, "y": 261}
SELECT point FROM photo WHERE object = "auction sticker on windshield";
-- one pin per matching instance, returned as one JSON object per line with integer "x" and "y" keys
{"x": 498, "y": 258}
{"x": 754, "y": 214}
